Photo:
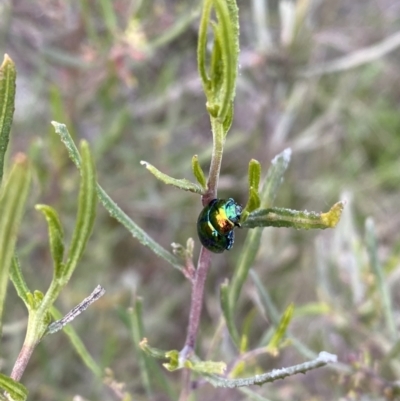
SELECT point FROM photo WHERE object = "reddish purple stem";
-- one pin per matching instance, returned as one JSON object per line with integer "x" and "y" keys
{"x": 196, "y": 302}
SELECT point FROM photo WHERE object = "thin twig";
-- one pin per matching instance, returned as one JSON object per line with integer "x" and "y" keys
{"x": 323, "y": 359}
{"x": 28, "y": 347}
{"x": 355, "y": 59}
{"x": 97, "y": 293}
{"x": 196, "y": 302}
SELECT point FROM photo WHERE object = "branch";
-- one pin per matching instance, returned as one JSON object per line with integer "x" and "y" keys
{"x": 323, "y": 359}
{"x": 355, "y": 59}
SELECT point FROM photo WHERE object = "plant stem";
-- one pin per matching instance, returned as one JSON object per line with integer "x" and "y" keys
{"x": 204, "y": 261}
{"x": 22, "y": 361}
{"x": 216, "y": 159}
{"x": 196, "y": 302}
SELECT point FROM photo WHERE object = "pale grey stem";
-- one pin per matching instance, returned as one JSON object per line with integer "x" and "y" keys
{"x": 97, "y": 293}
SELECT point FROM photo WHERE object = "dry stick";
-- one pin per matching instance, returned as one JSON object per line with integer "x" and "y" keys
{"x": 355, "y": 59}
{"x": 196, "y": 303}
{"x": 98, "y": 292}
{"x": 27, "y": 350}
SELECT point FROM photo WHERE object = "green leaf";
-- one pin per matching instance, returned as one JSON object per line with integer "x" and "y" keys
{"x": 254, "y": 200}
{"x": 114, "y": 210}
{"x": 206, "y": 367}
{"x": 378, "y": 271}
{"x": 151, "y": 351}
{"x": 280, "y": 331}
{"x": 219, "y": 85}
{"x": 86, "y": 213}
{"x": 8, "y": 75}
{"x": 270, "y": 187}
{"x": 228, "y": 27}
{"x": 198, "y": 172}
{"x": 17, "y": 391}
{"x": 228, "y": 313}
{"x": 270, "y": 310}
{"x": 216, "y": 65}
{"x": 202, "y": 46}
{"x": 280, "y": 217}
{"x": 228, "y": 119}
{"x": 174, "y": 363}
{"x": 137, "y": 332}
{"x": 66, "y": 138}
{"x": 254, "y": 174}
{"x": 19, "y": 282}
{"x": 56, "y": 237}
{"x": 184, "y": 184}
{"x": 12, "y": 202}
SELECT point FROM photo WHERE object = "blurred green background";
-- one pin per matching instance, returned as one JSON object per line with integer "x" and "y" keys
{"x": 123, "y": 75}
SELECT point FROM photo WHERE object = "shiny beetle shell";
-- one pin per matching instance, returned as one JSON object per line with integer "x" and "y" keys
{"x": 216, "y": 223}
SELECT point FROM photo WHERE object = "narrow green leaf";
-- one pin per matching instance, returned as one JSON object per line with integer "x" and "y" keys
{"x": 382, "y": 286}
{"x": 270, "y": 310}
{"x": 246, "y": 330}
{"x": 56, "y": 237}
{"x": 86, "y": 213}
{"x": 198, "y": 172}
{"x": 12, "y": 202}
{"x": 66, "y": 138}
{"x": 113, "y": 209}
{"x": 228, "y": 119}
{"x": 16, "y": 390}
{"x": 228, "y": 21}
{"x": 228, "y": 315}
{"x": 254, "y": 200}
{"x": 270, "y": 187}
{"x": 216, "y": 65}
{"x": 280, "y": 331}
{"x": 313, "y": 308}
{"x": 137, "y": 331}
{"x": 202, "y": 46}
{"x": 19, "y": 282}
{"x": 117, "y": 213}
{"x": 280, "y": 217}
{"x": 151, "y": 351}
{"x": 206, "y": 367}
{"x": 254, "y": 174}
{"x": 173, "y": 361}
{"x": 184, "y": 184}
{"x": 8, "y": 75}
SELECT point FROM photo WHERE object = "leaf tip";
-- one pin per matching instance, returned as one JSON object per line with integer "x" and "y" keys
{"x": 331, "y": 218}
{"x": 7, "y": 60}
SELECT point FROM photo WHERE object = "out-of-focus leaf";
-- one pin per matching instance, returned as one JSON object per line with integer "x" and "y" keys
{"x": 184, "y": 184}
{"x": 280, "y": 331}
{"x": 12, "y": 202}
{"x": 8, "y": 75}
{"x": 17, "y": 391}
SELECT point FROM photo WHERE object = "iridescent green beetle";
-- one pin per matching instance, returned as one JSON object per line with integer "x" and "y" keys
{"x": 216, "y": 223}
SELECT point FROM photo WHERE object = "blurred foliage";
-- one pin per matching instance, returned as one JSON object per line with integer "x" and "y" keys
{"x": 123, "y": 76}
